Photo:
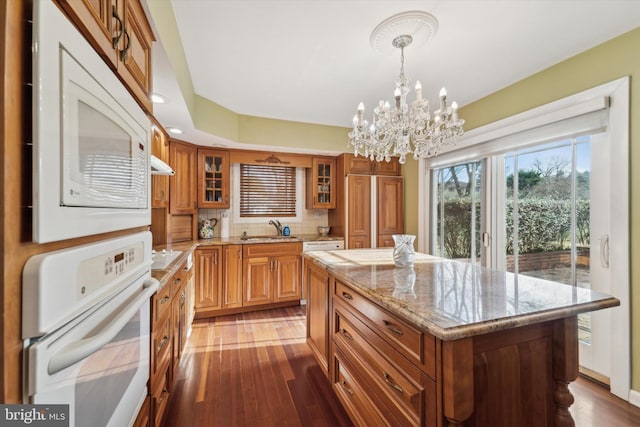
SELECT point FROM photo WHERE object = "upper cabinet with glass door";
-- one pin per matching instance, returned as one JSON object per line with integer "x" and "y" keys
{"x": 213, "y": 179}
{"x": 321, "y": 180}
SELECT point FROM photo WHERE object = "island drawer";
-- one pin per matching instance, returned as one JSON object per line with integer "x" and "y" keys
{"x": 351, "y": 392}
{"x": 411, "y": 341}
{"x": 397, "y": 382}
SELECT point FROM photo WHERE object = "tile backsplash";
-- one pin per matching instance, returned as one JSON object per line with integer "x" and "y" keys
{"x": 311, "y": 219}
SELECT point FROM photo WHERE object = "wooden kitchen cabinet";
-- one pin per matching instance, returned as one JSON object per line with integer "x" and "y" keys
{"x": 272, "y": 273}
{"x": 390, "y": 211}
{"x": 121, "y": 34}
{"x": 256, "y": 278}
{"x": 363, "y": 166}
{"x": 320, "y": 183}
{"x": 144, "y": 414}
{"x": 183, "y": 158}
{"x": 179, "y": 313}
{"x": 359, "y": 211}
{"x": 170, "y": 323}
{"x": 363, "y": 199}
{"x": 213, "y": 179}
{"x": 318, "y": 298}
{"x": 159, "y": 183}
{"x": 208, "y": 261}
{"x": 161, "y": 353}
{"x": 232, "y": 293}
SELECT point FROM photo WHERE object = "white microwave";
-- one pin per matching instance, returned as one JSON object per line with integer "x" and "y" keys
{"x": 91, "y": 147}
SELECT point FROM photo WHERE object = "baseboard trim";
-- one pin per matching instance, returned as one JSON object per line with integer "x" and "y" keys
{"x": 634, "y": 398}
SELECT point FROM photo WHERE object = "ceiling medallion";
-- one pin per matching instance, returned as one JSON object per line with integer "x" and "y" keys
{"x": 405, "y": 128}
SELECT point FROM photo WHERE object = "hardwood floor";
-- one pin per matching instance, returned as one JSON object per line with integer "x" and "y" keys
{"x": 255, "y": 369}
{"x": 252, "y": 369}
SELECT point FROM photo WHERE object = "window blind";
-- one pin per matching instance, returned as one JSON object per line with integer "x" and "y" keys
{"x": 267, "y": 191}
{"x": 587, "y": 118}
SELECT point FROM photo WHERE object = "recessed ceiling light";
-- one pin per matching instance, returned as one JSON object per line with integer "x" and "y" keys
{"x": 156, "y": 98}
{"x": 174, "y": 131}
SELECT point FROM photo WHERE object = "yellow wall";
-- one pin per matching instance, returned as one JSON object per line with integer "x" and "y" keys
{"x": 614, "y": 59}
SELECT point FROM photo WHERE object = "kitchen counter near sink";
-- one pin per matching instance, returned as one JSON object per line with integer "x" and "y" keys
{"x": 162, "y": 275}
{"x": 444, "y": 342}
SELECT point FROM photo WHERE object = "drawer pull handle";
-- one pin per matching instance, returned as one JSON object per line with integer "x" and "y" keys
{"x": 346, "y": 388}
{"x": 391, "y": 384}
{"x": 164, "y": 342}
{"x": 163, "y": 395}
{"x": 347, "y": 295}
{"x": 164, "y": 300}
{"x": 390, "y": 326}
{"x": 347, "y": 335}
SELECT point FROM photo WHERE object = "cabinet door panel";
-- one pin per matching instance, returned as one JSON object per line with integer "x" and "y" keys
{"x": 183, "y": 159}
{"x": 208, "y": 278}
{"x": 95, "y": 20}
{"x": 359, "y": 242}
{"x": 256, "y": 278}
{"x": 287, "y": 277}
{"x": 233, "y": 276}
{"x": 390, "y": 201}
{"x": 317, "y": 281}
{"x": 159, "y": 183}
{"x": 321, "y": 183}
{"x": 213, "y": 179}
{"x": 135, "y": 56}
{"x": 358, "y": 165}
{"x": 359, "y": 199}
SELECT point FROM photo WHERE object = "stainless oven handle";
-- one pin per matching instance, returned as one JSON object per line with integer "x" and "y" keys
{"x": 75, "y": 352}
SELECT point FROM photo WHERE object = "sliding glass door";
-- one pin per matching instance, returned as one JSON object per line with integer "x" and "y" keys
{"x": 458, "y": 211}
{"x": 556, "y": 227}
{"x": 549, "y": 218}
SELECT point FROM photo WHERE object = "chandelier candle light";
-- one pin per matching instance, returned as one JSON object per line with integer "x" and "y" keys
{"x": 405, "y": 128}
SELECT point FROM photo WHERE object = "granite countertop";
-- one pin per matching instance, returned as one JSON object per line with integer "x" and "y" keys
{"x": 185, "y": 248}
{"x": 239, "y": 240}
{"x": 452, "y": 299}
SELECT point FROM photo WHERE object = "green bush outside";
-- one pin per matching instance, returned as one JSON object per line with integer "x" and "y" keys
{"x": 544, "y": 225}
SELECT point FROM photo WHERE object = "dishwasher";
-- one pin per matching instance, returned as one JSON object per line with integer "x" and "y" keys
{"x": 317, "y": 245}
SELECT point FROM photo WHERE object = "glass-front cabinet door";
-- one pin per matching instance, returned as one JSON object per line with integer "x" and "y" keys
{"x": 213, "y": 179}
{"x": 321, "y": 180}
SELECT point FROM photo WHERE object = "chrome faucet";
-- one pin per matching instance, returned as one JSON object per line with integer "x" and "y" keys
{"x": 277, "y": 225}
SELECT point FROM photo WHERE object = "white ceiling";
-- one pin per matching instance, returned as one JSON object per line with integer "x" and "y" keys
{"x": 310, "y": 60}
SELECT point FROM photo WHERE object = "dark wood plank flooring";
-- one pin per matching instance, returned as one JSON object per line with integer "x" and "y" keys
{"x": 255, "y": 369}
{"x": 252, "y": 369}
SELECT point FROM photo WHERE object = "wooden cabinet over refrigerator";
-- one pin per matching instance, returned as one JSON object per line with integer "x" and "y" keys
{"x": 370, "y": 208}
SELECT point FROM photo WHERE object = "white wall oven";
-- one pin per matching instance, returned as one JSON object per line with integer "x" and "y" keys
{"x": 91, "y": 139}
{"x": 86, "y": 326}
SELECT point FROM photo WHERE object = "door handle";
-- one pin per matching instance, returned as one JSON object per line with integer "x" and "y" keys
{"x": 79, "y": 350}
{"x": 116, "y": 39}
{"x": 604, "y": 251}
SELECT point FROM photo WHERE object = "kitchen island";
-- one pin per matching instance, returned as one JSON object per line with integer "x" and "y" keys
{"x": 443, "y": 343}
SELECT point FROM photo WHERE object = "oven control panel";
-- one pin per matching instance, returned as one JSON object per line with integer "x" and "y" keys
{"x": 105, "y": 269}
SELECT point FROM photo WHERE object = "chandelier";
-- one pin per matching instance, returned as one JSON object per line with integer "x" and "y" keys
{"x": 405, "y": 128}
